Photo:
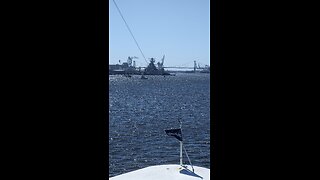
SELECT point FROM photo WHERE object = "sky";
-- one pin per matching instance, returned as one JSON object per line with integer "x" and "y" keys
{"x": 178, "y": 29}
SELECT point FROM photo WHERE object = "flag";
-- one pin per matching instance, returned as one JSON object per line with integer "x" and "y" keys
{"x": 174, "y": 132}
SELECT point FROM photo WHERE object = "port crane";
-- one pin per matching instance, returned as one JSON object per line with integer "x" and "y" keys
{"x": 130, "y": 60}
{"x": 160, "y": 65}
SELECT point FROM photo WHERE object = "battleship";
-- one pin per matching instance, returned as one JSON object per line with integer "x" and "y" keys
{"x": 151, "y": 69}
{"x": 129, "y": 68}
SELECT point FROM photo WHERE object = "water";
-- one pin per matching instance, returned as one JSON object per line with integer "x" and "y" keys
{"x": 141, "y": 109}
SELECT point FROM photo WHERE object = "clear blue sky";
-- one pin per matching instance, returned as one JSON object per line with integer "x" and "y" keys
{"x": 178, "y": 29}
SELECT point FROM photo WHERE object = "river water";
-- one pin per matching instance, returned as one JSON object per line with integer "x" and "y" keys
{"x": 141, "y": 109}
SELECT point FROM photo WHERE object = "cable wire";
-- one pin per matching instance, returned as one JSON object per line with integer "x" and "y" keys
{"x": 188, "y": 158}
{"x": 130, "y": 31}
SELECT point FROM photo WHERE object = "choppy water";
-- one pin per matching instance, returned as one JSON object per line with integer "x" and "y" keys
{"x": 140, "y": 110}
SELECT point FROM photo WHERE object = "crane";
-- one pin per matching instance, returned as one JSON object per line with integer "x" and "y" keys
{"x": 130, "y": 58}
{"x": 160, "y": 65}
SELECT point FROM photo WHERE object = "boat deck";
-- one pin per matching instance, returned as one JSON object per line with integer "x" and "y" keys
{"x": 166, "y": 172}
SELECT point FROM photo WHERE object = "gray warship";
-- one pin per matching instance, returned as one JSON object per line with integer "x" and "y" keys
{"x": 129, "y": 68}
{"x": 151, "y": 69}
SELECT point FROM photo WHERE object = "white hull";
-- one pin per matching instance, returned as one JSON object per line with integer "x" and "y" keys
{"x": 166, "y": 172}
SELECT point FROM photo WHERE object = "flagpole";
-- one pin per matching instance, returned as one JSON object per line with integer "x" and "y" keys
{"x": 181, "y": 144}
{"x": 181, "y": 153}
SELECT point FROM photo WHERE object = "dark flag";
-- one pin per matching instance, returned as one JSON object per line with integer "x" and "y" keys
{"x": 174, "y": 132}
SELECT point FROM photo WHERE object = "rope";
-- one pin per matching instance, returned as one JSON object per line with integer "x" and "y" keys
{"x": 188, "y": 157}
{"x": 130, "y": 32}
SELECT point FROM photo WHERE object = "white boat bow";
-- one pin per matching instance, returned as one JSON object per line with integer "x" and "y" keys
{"x": 166, "y": 172}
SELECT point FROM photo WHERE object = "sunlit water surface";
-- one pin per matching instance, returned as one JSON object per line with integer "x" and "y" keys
{"x": 141, "y": 109}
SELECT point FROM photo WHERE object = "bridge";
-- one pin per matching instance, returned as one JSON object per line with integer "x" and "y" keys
{"x": 177, "y": 67}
